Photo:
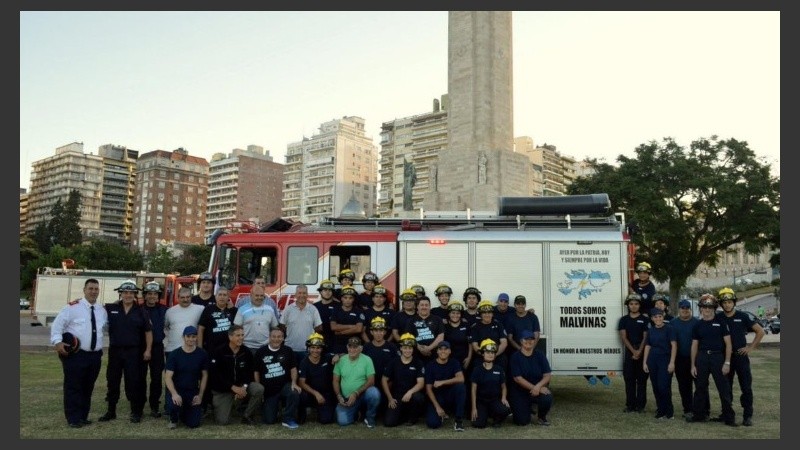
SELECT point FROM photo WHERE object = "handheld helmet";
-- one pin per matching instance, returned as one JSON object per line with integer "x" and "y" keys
{"x": 442, "y": 289}
{"x": 456, "y": 305}
{"x": 408, "y": 295}
{"x": 152, "y": 286}
{"x": 347, "y": 273}
{"x": 326, "y": 284}
{"x": 727, "y": 293}
{"x": 633, "y": 298}
{"x": 71, "y": 343}
{"x": 488, "y": 345}
{"x": 408, "y": 340}
{"x": 379, "y": 290}
{"x": 315, "y": 339}
{"x": 347, "y": 290}
{"x": 370, "y": 276}
{"x": 661, "y": 297}
{"x": 127, "y": 286}
{"x": 644, "y": 267}
{"x": 472, "y": 291}
{"x": 485, "y": 306}
{"x": 418, "y": 290}
{"x": 377, "y": 323}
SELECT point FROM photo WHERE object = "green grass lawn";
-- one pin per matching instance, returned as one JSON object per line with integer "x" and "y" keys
{"x": 580, "y": 411}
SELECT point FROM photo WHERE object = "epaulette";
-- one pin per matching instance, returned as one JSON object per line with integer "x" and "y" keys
{"x": 74, "y": 302}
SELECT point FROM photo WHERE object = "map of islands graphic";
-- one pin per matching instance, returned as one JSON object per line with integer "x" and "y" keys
{"x": 585, "y": 283}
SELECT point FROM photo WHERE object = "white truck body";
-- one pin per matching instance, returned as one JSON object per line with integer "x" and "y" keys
{"x": 575, "y": 280}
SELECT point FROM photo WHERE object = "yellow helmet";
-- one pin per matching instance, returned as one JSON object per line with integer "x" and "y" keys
{"x": 347, "y": 290}
{"x": 315, "y": 339}
{"x": 644, "y": 267}
{"x": 727, "y": 293}
{"x": 377, "y": 323}
{"x": 326, "y": 284}
{"x": 485, "y": 306}
{"x": 408, "y": 340}
{"x": 488, "y": 345}
{"x": 455, "y": 305}
{"x": 347, "y": 273}
{"x": 409, "y": 295}
{"x": 379, "y": 289}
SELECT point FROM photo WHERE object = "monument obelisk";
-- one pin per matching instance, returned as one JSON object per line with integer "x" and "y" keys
{"x": 479, "y": 164}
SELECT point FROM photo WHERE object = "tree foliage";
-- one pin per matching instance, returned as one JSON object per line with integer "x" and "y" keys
{"x": 194, "y": 260}
{"x": 690, "y": 204}
{"x": 107, "y": 255}
{"x": 162, "y": 261}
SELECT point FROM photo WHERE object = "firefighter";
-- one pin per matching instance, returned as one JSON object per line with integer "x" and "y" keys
{"x": 632, "y": 329}
{"x": 408, "y": 309}
{"x": 472, "y": 296}
{"x": 489, "y": 391}
{"x": 205, "y": 290}
{"x": 442, "y": 293}
{"x": 155, "y": 312}
{"x": 644, "y": 287}
{"x": 369, "y": 280}
{"x": 739, "y": 324}
{"x": 346, "y": 279}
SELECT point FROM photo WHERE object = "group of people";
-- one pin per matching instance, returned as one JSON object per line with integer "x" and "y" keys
{"x": 349, "y": 356}
{"x": 658, "y": 346}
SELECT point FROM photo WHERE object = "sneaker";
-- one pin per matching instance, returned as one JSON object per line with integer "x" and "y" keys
{"x": 172, "y": 425}
{"x": 543, "y": 422}
{"x": 136, "y": 418}
{"x": 665, "y": 417}
{"x": 748, "y": 422}
{"x": 688, "y": 415}
{"x": 291, "y": 424}
{"x": 370, "y": 423}
{"x": 458, "y": 426}
{"x": 155, "y": 413}
{"x": 107, "y": 416}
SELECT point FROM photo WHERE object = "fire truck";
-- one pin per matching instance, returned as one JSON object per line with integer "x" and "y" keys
{"x": 569, "y": 256}
{"x": 55, "y": 287}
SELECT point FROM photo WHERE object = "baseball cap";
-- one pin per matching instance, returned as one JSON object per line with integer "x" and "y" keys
{"x": 443, "y": 344}
{"x": 527, "y": 334}
{"x": 520, "y": 299}
{"x": 656, "y": 312}
{"x": 354, "y": 341}
{"x": 190, "y": 331}
{"x": 685, "y": 304}
{"x": 503, "y": 297}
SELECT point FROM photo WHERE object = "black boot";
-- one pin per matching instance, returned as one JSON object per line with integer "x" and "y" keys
{"x": 111, "y": 414}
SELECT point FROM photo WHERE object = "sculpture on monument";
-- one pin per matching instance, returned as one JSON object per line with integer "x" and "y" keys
{"x": 409, "y": 180}
{"x": 482, "y": 168}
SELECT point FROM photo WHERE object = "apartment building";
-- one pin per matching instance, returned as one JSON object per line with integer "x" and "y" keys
{"x": 23, "y": 210}
{"x": 411, "y": 144}
{"x": 53, "y": 178}
{"x": 243, "y": 185}
{"x": 324, "y": 171}
{"x": 170, "y": 200}
{"x": 557, "y": 171}
{"x": 116, "y": 196}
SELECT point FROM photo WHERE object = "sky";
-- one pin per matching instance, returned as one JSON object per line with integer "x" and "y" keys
{"x": 594, "y": 84}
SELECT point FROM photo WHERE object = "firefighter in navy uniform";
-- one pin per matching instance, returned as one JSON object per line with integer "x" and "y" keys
{"x": 711, "y": 355}
{"x": 644, "y": 287}
{"x": 632, "y": 329}
{"x": 739, "y": 324}
{"x": 155, "y": 312}
{"x": 364, "y": 299}
{"x": 326, "y": 305}
{"x": 130, "y": 347}
{"x": 84, "y": 319}
{"x": 443, "y": 293}
{"x": 346, "y": 278}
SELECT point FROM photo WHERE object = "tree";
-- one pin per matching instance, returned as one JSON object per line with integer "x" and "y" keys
{"x": 107, "y": 255}
{"x": 162, "y": 261}
{"x": 689, "y": 204}
{"x": 194, "y": 260}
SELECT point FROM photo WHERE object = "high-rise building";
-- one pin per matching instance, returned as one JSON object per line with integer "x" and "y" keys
{"x": 243, "y": 185}
{"x": 23, "y": 210}
{"x": 324, "y": 171}
{"x": 552, "y": 171}
{"x": 410, "y": 144}
{"x": 170, "y": 201}
{"x": 53, "y": 179}
{"x": 116, "y": 197}
{"x": 479, "y": 164}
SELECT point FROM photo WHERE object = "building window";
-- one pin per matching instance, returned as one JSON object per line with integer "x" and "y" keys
{"x": 175, "y": 198}
{"x": 174, "y": 209}
{"x": 162, "y": 184}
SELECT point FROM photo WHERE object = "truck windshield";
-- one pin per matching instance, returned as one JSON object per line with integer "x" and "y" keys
{"x": 240, "y": 266}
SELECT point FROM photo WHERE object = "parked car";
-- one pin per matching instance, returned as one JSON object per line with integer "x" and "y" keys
{"x": 774, "y": 325}
{"x": 24, "y": 303}
{"x": 763, "y": 322}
